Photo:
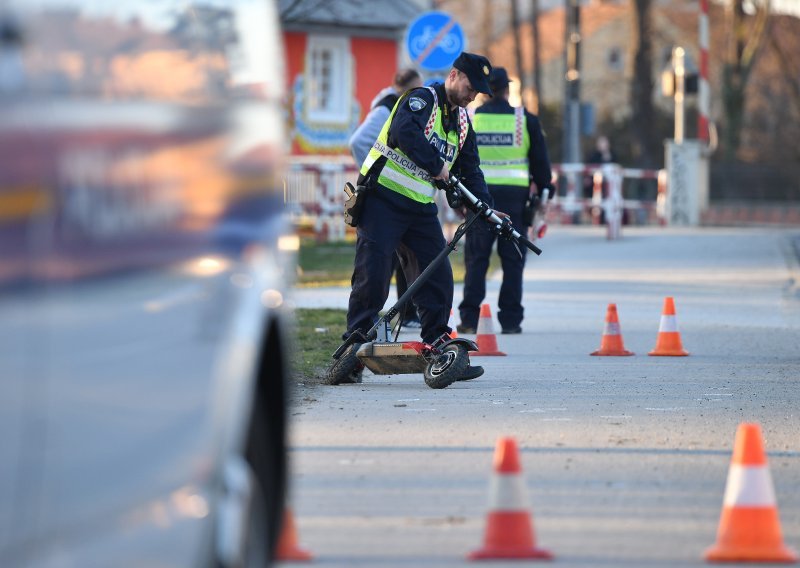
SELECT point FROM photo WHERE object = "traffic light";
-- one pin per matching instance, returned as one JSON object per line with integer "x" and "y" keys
{"x": 669, "y": 83}
{"x": 690, "y": 82}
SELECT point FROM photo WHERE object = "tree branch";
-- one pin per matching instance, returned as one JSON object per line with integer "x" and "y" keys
{"x": 757, "y": 35}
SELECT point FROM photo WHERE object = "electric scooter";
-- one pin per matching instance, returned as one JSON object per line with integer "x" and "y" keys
{"x": 446, "y": 360}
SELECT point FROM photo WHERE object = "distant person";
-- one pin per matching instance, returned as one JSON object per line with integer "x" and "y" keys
{"x": 602, "y": 154}
{"x": 381, "y": 107}
{"x": 405, "y": 264}
{"x": 515, "y": 165}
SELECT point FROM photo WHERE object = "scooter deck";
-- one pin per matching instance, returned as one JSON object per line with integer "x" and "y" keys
{"x": 391, "y": 358}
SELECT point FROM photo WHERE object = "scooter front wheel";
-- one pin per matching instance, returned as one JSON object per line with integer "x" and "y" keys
{"x": 346, "y": 369}
{"x": 448, "y": 367}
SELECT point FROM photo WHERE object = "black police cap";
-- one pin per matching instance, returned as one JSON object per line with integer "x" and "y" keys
{"x": 498, "y": 79}
{"x": 477, "y": 69}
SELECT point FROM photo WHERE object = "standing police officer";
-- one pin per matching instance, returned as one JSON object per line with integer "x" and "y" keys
{"x": 514, "y": 161}
{"x": 427, "y": 135}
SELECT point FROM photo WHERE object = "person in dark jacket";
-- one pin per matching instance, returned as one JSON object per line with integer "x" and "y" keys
{"x": 602, "y": 154}
{"x": 427, "y": 136}
{"x": 515, "y": 164}
{"x": 364, "y": 136}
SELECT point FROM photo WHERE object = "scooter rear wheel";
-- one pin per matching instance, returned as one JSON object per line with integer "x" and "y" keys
{"x": 448, "y": 367}
{"x": 346, "y": 369}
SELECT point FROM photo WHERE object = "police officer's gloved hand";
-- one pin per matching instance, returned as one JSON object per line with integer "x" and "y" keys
{"x": 454, "y": 198}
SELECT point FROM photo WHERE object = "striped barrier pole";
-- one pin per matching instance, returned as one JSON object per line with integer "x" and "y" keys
{"x": 703, "y": 85}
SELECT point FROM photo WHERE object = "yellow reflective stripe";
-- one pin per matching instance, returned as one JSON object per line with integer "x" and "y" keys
{"x": 370, "y": 159}
{"x": 413, "y": 182}
{"x": 392, "y": 178}
{"x": 500, "y": 163}
{"x": 402, "y": 161}
{"x": 504, "y": 173}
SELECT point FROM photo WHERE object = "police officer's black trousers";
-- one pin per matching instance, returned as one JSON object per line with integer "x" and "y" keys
{"x": 477, "y": 253}
{"x": 386, "y": 220}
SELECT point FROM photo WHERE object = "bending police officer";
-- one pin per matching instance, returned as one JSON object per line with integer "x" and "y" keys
{"x": 515, "y": 164}
{"x": 427, "y": 135}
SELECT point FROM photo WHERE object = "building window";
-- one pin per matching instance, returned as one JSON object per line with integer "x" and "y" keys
{"x": 615, "y": 59}
{"x": 328, "y": 79}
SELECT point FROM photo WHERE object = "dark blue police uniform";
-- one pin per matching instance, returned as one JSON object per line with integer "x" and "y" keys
{"x": 389, "y": 218}
{"x": 480, "y": 238}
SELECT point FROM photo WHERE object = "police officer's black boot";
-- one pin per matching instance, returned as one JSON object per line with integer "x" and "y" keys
{"x": 471, "y": 373}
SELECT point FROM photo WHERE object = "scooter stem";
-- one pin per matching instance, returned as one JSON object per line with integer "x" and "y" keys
{"x": 434, "y": 264}
{"x": 479, "y": 207}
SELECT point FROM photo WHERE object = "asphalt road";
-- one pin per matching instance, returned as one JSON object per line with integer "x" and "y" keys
{"x": 624, "y": 459}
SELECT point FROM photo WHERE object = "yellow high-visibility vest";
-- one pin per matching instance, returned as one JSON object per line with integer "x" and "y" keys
{"x": 400, "y": 173}
{"x": 503, "y": 144}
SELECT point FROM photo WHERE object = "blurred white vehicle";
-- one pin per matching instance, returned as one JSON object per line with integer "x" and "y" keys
{"x": 144, "y": 260}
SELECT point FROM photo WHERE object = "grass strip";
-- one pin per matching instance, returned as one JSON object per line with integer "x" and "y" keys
{"x": 318, "y": 334}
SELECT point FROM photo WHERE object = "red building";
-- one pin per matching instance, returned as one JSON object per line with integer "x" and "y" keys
{"x": 339, "y": 54}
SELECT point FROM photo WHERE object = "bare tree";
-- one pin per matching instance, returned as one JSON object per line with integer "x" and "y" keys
{"x": 641, "y": 97}
{"x": 487, "y": 28}
{"x": 744, "y": 42}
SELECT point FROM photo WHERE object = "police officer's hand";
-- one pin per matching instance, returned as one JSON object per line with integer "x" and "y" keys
{"x": 533, "y": 189}
{"x": 503, "y": 216}
{"x": 443, "y": 175}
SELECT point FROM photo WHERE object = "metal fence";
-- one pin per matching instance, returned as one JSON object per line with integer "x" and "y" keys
{"x": 585, "y": 194}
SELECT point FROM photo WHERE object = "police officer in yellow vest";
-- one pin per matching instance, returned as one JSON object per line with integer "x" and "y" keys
{"x": 514, "y": 161}
{"x": 427, "y": 135}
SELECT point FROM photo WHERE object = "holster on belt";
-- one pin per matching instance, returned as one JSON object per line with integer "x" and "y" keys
{"x": 531, "y": 206}
{"x": 354, "y": 203}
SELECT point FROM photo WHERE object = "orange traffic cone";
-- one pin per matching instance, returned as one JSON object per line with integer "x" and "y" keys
{"x": 749, "y": 528}
{"x": 669, "y": 338}
{"x": 509, "y": 528}
{"x": 611, "y": 342}
{"x": 485, "y": 337}
{"x": 288, "y": 549}
{"x": 451, "y": 323}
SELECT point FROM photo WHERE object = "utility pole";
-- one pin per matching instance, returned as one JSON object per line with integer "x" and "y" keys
{"x": 537, "y": 76}
{"x": 572, "y": 97}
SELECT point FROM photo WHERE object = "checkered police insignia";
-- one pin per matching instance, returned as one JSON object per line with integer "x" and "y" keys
{"x": 416, "y": 103}
{"x": 519, "y": 121}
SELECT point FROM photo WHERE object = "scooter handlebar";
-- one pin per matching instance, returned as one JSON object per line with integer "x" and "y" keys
{"x": 490, "y": 215}
{"x": 533, "y": 248}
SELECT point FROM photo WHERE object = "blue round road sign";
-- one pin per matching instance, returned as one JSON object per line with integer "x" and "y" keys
{"x": 434, "y": 40}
